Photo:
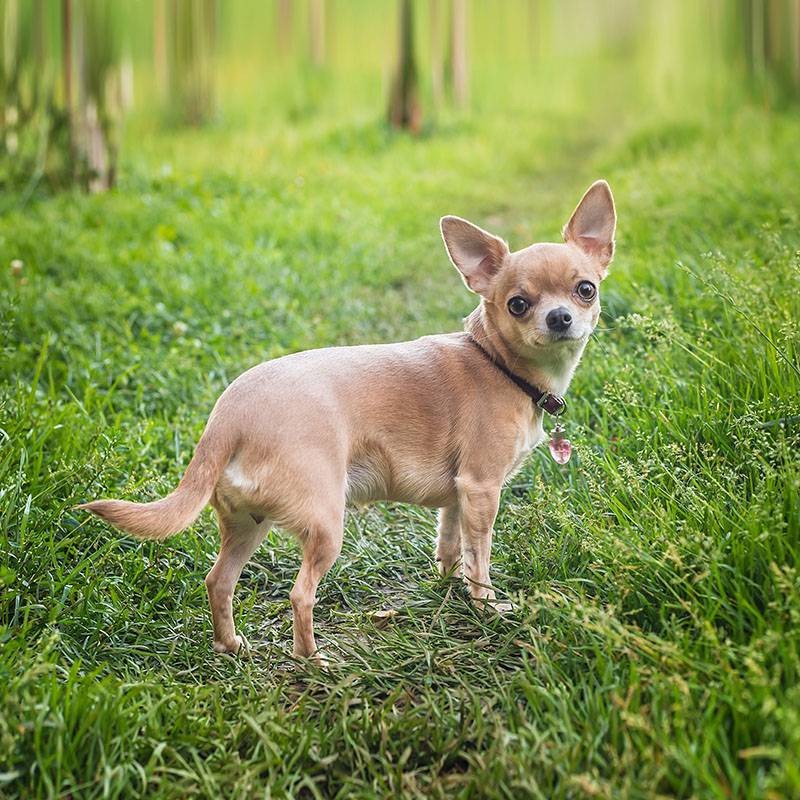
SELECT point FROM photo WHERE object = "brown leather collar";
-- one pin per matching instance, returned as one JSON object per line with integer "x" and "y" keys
{"x": 551, "y": 403}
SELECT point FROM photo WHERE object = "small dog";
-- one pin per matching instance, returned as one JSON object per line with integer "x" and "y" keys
{"x": 442, "y": 421}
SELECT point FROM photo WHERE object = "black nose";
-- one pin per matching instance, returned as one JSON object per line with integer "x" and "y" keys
{"x": 559, "y": 319}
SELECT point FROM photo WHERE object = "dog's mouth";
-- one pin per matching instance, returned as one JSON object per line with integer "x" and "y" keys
{"x": 564, "y": 336}
{"x": 559, "y": 337}
{"x": 538, "y": 339}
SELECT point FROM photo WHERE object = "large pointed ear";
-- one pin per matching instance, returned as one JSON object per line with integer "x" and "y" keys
{"x": 593, "y": 223}
{"x": 475, "y": 253}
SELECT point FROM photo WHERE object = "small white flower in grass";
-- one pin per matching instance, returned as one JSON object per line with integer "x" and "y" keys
{"x": 179, "y": 328}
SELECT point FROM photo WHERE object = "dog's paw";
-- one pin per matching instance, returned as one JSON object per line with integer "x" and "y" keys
{"x": 450, "y": 569}
{"x": 237, "y": 646}
{"x": 315, "y": 659}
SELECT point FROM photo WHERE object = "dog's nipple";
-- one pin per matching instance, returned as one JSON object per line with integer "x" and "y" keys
{"x": 560, "y": 447}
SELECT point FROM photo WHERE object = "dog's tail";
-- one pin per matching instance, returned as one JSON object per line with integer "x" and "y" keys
{"x": 178, "y": 510}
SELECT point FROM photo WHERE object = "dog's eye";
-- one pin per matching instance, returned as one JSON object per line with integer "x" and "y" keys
{"x": 586, "y": 290}
{"x": 518, "y": 305}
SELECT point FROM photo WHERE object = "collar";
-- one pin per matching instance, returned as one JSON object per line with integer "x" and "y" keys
{"x": 551, "y": 403}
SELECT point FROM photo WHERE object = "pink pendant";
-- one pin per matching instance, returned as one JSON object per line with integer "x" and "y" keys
{"x": 560, "y": 447}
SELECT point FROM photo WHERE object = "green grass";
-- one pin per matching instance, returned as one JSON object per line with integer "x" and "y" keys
{"x": 655, "y": 650}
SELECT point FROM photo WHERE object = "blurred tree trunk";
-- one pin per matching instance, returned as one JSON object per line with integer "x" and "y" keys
{"x": 191, "y": 42}
{"x": 283, "y": 26}
{"x": 10, "y": 110}
{"x": 757, "y": 35}
{"x": 26, "y": 90}
{"x": 91, "y": 92}
{"x": 780, "y": 46}
{"x": 100, "y": 83}
{"x": 160, "y": 62}
{"x": 796, "y": 43}
{"x": 60, "y": 112}
{"x": 404, "y": 106}
{"x": 771, "y": 33}
{"x": 66, "y": 53}
{"x": 774, "y": 25}
{"x": 459, "y": 58}
{"x": 437, "y": 53}
{"x": 316, "y": 27}
{"x": 39, "y": 90}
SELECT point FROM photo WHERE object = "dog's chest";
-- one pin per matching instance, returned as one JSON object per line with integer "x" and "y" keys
{"x": 530, "y": 435}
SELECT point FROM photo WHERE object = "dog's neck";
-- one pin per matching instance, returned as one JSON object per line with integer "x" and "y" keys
{"x": 549, "y": 369}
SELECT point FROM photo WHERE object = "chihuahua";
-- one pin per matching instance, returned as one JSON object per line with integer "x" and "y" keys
{"x": 442, "y": 421}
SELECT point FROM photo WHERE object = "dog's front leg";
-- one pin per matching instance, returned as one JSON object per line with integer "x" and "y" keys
{"x": 478, "y": 501}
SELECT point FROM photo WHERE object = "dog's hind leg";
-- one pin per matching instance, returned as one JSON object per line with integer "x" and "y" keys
{"x": 241, "y": 535}
{"x": 448, "y": 541}
{"x": 322, "y": 543}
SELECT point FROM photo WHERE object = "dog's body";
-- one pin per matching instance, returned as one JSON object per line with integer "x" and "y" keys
{"x": 433, "y": 421}
{"x": 426, "y": 411}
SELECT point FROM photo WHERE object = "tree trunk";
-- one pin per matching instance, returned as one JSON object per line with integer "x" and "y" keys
{"x": 437, "y": 53}
{"x": 283, "y": 26}
{"x": 316, "y": 23}
{"x": 91, "y": 102}
{"x": 160, "y": 61}
{"x": 192, "y": 37}
{"x": 460, "y": 65}
{"x": 757, "y": 37}
{"x": 796, "y": 44}
{"x": 404, "y": 107}
{"x": 66, "y": 35}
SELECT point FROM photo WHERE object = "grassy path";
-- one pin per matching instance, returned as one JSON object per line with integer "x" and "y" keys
{"x": 655, "y": 650}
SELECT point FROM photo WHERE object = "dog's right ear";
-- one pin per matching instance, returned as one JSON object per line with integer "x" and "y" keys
{"x": 475, "y": 253}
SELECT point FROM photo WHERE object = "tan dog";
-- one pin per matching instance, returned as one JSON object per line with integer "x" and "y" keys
{"x": 292, "y": 441}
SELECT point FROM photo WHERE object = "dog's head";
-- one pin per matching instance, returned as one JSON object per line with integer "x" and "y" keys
{"x": 547, "y": 295}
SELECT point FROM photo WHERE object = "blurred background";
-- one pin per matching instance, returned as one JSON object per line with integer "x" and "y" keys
{"x": 86, "y": 82}
{"x": 189, "y": 187}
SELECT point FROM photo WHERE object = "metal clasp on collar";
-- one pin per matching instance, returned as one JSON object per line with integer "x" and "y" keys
{"x": 560, "y": 403}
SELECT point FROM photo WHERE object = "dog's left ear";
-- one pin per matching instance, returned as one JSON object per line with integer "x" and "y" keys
{"x": 592, "y": 224}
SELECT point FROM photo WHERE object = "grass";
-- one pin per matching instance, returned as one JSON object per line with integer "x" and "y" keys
{"x": 655, "y": 650}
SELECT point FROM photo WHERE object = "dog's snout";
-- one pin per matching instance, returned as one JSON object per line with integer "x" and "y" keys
{"x": 559, "y": 319}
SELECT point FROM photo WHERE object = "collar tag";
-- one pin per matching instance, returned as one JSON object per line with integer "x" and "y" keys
{"x": 560, "y": 446}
